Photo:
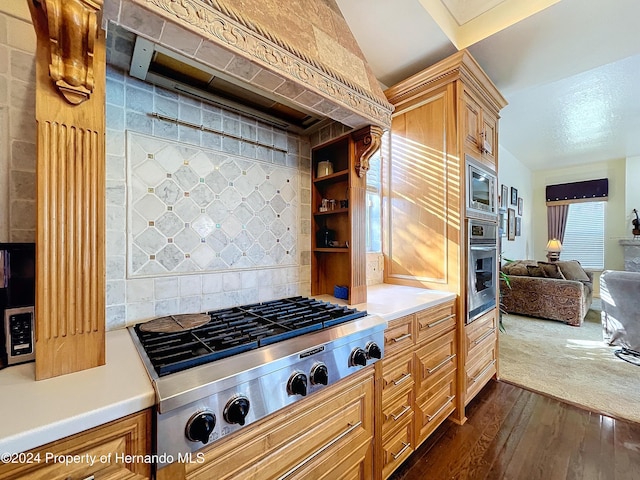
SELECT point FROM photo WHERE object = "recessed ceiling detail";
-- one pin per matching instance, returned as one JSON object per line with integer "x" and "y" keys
{"x": 466, "y": 22}
{"x": 466, "y": 10}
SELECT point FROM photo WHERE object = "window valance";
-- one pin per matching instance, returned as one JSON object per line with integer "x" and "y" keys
{"x": 574, "y": 192}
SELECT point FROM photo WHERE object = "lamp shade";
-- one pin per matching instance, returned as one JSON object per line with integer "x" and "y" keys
{"x": 554, "y": 245}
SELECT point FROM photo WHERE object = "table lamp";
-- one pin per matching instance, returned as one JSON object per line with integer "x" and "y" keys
{"x": 554, "y": 247}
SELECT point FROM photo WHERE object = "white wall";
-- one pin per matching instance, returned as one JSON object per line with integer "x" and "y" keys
{"x": 632, "y": 189}
{"x": 615, "y": 214}
{"x": 512, "y": 173}
{"x": 617, "y": 218}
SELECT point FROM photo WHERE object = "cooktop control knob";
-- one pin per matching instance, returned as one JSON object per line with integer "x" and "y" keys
{"x": 297, "y": 384}
{"x": 200, "y": 426}
{"x": 236, "y": 410}
{"x": 358, "y": 357}
{"x": 373, "y": 350}
{"x": 319, "y": 374}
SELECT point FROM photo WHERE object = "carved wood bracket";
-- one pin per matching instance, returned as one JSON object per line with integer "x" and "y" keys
{"x": 73, "y": 28}
{"x": 367, "y": 142}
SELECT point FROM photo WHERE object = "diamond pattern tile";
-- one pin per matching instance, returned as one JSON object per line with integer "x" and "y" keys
{"x": 197, "y": 210}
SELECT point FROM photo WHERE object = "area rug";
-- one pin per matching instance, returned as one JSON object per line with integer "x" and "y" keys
{"x": 571, "y": 364}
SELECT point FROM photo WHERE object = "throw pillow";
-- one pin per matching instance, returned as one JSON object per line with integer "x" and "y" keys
{"x": 572, "y": 270}
{"x": 536, "y": 271}
{"x": 515, "y": 268}
{"x": 551, "y": 270}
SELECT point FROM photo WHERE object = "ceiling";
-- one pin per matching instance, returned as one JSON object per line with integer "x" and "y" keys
{"x": 571, "y": 72}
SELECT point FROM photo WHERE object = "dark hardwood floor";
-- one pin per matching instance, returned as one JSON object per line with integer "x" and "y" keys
{"x": 512, "y": 433}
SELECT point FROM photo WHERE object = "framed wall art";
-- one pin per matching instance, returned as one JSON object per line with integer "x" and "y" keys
{"x": 504, "y": 196}
{"x": 511, "y": 224}
{"x": 518, "y": 226}
{"x": 502, "y": 222}
{"x": 520, "y": 206}
{"x": 514, "y": 196}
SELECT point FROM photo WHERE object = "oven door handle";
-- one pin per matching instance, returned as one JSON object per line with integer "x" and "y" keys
{"x": 484, "y": 249}
{"x": 321, "y": 449}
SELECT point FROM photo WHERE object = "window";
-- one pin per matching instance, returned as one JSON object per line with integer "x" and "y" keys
{"x": 584, "y": 235}
{"x": 374, "y": 200}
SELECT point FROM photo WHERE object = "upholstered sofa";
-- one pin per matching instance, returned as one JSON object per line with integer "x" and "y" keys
{"x": 558, "y": 290}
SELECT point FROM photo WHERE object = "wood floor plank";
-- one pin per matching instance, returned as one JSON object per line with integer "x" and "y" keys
{"x": 512, "y": 433}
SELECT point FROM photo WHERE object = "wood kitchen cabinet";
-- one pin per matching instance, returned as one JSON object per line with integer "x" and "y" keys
{"x": 442, "y": 114}
{"x": 480, "y": 126}
{"x": 114, "y": 447}
{"x": 327, "y": 436}
{"x": 416, "y": 383}
{"x": 338, "y": 203}
{"x": 481, "y": 359}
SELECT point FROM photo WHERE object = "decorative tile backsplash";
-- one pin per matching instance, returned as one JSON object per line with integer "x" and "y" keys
{"x": 196, "y": 210}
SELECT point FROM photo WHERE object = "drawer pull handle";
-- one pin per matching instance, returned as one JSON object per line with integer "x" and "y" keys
{"x": 484, "y": 370}
{"x": 441, "y": 364}
{"x": 402, "y": 379}
{"x": 486, "y": 335}
{"x": 431, "y": 417}
{"x": 401, "y": 337}
{"x": 404, "y": 410}
{"x": 320, "y": 450}
{"x": 442, "y": 320}
{"x": 402, "y": 450}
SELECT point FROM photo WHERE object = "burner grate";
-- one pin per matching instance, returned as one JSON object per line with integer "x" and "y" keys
{"x": 235, "y": 330}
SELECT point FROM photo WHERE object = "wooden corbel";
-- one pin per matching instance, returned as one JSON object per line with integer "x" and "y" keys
{"x": 367, "y": 142}
{"x": 73, "y": 28}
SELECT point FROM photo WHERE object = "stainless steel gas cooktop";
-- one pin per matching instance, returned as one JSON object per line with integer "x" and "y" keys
{"x": 216, "y": 372}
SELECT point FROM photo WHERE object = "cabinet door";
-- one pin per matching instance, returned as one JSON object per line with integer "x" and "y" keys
{"x": 422, "y": 205}
{"x": 489, "y": 134}
{"x": 472, "y": 123}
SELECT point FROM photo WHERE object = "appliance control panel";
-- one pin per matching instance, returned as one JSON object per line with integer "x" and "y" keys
{"x": 19, "y": 335}
{"x": 218, "y": 415}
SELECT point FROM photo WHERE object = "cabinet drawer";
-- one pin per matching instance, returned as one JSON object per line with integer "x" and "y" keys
{"x": 337, "y": 418}
{"x": 127, "y": 436}
{"x": 481, "y": 332}
{"x": 435, "y": 321}
{"x": 435, "y": 360}
{"x": 480, "y": 368}
{"x": 434, "y": 406}
{"x": 397, "y": 375}
{"x": 399, "y": 335}
{"x": 397, "y": 447}
{"x": 396, "y": 410}
{"x": 354, "y": 463}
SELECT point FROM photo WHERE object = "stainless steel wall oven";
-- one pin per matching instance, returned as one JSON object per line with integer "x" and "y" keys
{"x": 482, "y": 281}
{"x": 481, "y": 194}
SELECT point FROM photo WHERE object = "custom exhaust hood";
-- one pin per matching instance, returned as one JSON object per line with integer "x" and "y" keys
{"x": 294, "y": 65}
{"x": 158, "y": 65}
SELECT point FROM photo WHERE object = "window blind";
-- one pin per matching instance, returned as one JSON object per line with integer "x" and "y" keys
{"x": 584, "y": 235}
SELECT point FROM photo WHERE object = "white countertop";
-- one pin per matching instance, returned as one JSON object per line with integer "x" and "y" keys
{"x": 35, "y": 413}
{"x": 394, "y": 301}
